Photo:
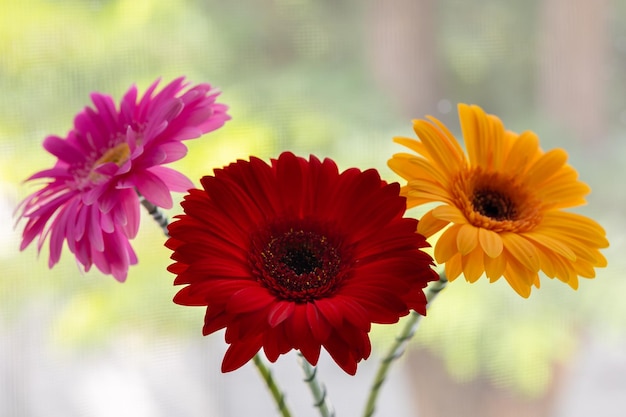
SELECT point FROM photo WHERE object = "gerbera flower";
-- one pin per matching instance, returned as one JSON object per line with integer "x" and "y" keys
{"x": 298, "y": 256}
{"x": 504, "y": 202}
{"x": 109, "y": 158}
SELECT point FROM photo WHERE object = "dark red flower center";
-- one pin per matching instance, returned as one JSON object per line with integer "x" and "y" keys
{"x": 297, "y": 261}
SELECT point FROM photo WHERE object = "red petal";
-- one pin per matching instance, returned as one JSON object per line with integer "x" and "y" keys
{"x": 249, "y": 299}
{"x": 341, "y": 354}
{"x": 320, "y": 328}
{"x": 300, "y": 334}
{"x": 280, "y": 311}
{"x": 291, "y": 179}
{"x": 238, "y": 354}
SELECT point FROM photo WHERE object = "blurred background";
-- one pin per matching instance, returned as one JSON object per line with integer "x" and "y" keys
{"x": 336, "y": 78}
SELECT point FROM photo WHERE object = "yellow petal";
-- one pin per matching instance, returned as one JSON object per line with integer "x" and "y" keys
{"x": 521, "y": 250}
{"x": 467, "y": 238}
{"x": 518, "y": 279}
{"x": 582, "y": 248}
{"x": 400, "y": 163}
{"x": 422, "y": 197}
{"x": 454, "y": 267}
{"x": 576, "y": 225}
{"x": 573, "y": 283}
{"x": 551, "y": 244}
{"x": 482, "y": 134}
{"x": 564, "y": 270}
{"x": 547, "y": 264}
{"x": 429, "y": 225}
{"x": 446, "y": 247}
{"x": 473, "y": 266}
{"x": 412, "y": 167}
{"x": 523, "y": 152}
{"x": 600, "y": 261}
{"x": 559, "y": 195}
{"x": 454, "y": 143}
{"x": 490, "y": 242}
{"x": 470, "y": 130}
{"x": 519, "y": 287}
{"x": 536, "y": 282}
{"x": 424, "y": 169}
{"x": 450, "y": 214}
{"x": 494, "y": 267}
{"x": 420, "y": 185}
{"x": 441, "y": 151}
{"x": 584, "y": 269}
{"x": 546, "y": 166}
{"x": 412, "y": 144}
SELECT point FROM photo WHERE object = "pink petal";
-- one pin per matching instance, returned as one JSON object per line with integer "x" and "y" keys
{"x": 153, "y": 189}
{"x": 63, "y": 150}
{"x": 127, "y": 213}
{"x": 93, "y": 229}
{"x": 56, "y": 172}
{"x": 174, "y": 180}
{"x": 173, "y": 151}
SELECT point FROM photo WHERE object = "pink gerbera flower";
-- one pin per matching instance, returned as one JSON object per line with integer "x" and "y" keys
{"x": 107, "y": 161}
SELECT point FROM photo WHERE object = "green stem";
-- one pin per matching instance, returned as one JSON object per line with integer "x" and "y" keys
{"x": 397, "y": 349}
{"x": 317, "y": 388}
{"x": 264, "y": 370}
{"x": 277, "y": 394}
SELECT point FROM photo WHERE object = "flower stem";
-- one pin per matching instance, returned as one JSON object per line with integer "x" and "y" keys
{"x": 399, "y": 345}
{"x": 156, "y": 214}
{"x": 317, "y": 388}
{"x": 276, "y": 392}
{"x": 264, "y": 370}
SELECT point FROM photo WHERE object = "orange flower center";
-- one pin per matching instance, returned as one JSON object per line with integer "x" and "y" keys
{"x": 496, "y": 202}
{"x": 297, "y": 262}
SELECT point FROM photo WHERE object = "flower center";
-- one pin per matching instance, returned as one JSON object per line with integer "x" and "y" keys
{"x": 301, "y": 259}
{"x": 117, "y": 155}
{"x": 493, "y": 201}
{"x": 494, "y": 204}
{"x": 297, "y": 261}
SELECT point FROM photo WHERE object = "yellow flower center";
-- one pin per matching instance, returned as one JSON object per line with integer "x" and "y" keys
{"x": 117, "y": 154}
{"x": 494, "y": 201}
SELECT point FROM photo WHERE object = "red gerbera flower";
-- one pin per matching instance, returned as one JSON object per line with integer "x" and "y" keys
{"x": 91, "y": 198}
{"x": 298, "y": 256}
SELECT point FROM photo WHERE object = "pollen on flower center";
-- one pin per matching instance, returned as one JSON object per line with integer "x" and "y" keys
{"x": 493, "y": 201}
{"x": 296, "y": 262}
{"x": 117, "y": 154}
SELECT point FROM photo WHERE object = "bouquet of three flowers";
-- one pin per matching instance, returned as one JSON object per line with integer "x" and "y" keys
{"x": 295, "y": 254}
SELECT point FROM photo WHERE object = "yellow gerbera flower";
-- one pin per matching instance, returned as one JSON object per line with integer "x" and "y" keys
{"x": 502, "y": 201}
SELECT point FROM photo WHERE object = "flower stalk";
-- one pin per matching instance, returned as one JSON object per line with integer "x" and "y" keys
{"x": 157, "y": 215}
{"x": 318, "y": 390}
{"x": 277, "y": 393}
{"x": 399, "y": 346}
